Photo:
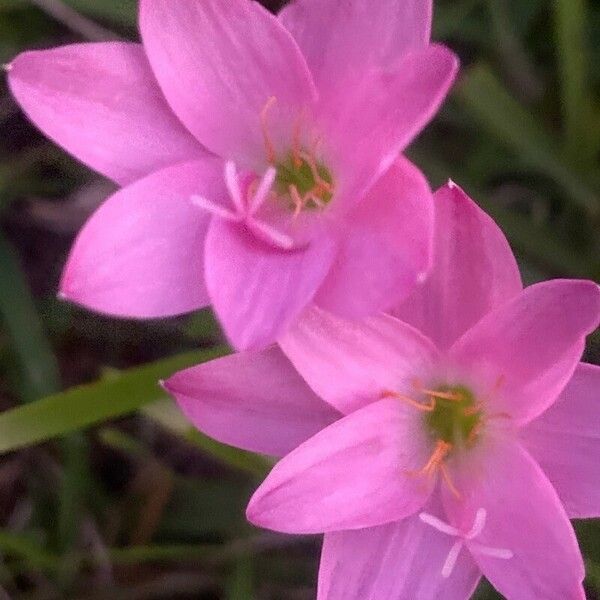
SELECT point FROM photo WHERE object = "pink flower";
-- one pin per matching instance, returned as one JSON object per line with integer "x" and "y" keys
{"x": 427, "y": 461}
{"x": 303, "y": 196}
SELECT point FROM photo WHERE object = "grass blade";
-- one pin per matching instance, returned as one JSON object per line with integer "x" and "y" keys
{"x": 81, "y": 407}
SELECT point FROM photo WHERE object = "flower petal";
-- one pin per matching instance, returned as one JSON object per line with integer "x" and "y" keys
{"x": 354, "y": 474}
{"x": 257, "y": 290}
{"x": 255, "y": 401}
{"x": 565, "y": 440}
{"x": 526, "y": 350}
{"x": 474, "y": 271}
{"x": 350, "y": 364}
{"x": 524, "y": 516}
{"x": 102, "y": 104}
{"x": 218, "y": 64}
{"x": 141, "y": 254}
{"x": 364, "y": 127}
{"x": 337, "y": 36}
{"x": 398, "y": 561}
{"x": 386, "y": 248}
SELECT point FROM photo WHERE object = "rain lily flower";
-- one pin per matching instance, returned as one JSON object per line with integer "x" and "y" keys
{"x": 427, "y": 460}
{"x": 259, "y": 154}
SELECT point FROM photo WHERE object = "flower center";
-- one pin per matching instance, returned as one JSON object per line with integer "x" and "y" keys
{"x": 455, "y": 417}
{"x": 303, "y": 182}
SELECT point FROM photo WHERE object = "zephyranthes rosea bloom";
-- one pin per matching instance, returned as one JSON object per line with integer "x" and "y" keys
{"x": 427, "y": 461}
{"x": 304, "y": 196}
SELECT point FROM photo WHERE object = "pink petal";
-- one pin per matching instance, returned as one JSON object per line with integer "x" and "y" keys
{"x": 565, "y": 440}
{"x": 398, "y": 561}
{"x": 526, "y": 350}
{"x": 354, "y": 474}
{"x": 337, "y": 36}
{"x": 255, "y": 401}
{"x": 371, "y": 117}
{"x": 141, "y": 254}
{"x": 103, "y": 105}
{"x": 386, "y": 248}
{"x": 350, "y": 364}
{"x": 474, "y": 271}
{"x": 524, "y": 516}
{"x": 218, "y": 64}
{"x": 258, "y": 290}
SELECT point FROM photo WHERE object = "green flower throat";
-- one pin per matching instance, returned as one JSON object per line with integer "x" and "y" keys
{"x": 456, "y": 419}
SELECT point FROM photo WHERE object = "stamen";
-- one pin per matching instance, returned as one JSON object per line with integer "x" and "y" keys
{"x": 473, "y": 410}
{"x": 448, "y": 480}
{"x": 270, "y": 149}
{"x": 233, "y": 186}
{"x": 214, "y": 208}
{"x": 316, "y": 200}
{"x": 442, "y": 449}
{"x": 296, "y": 154}
{"x": 296, "y": 199}
{"x": 442, "y": 395}
{"x": 436, "y": 462}
{"x": 261, "y": 194}
{"x": 409, "y": 400}
{"x": 320, "y": 182}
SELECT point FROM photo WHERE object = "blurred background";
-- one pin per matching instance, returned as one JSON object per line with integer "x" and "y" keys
{"x": 105, "y": 492}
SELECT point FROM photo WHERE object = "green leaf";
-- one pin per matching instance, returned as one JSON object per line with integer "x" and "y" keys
{"x": 488, "y": 101}
{"x": 81, "y": 407}
{"x": 37, "y": 362}
{"x": 240, "y": 585}
{"x": 571, "y": 18}
{"x": 120, "y": 12}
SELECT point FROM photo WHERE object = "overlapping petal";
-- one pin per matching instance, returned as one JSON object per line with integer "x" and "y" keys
{"x": 386, "y": 246}
{"x": 350, "y": 364}
{"x": 142, "y": 253}
{"x": 102, "y": 103}
{"x": 338, "y": 37}
{"x": 255, "y": 401}
{"x": 397, "y": 561}
{"x": 218, "y": 64}
{"x": 524, "y": 516}
{"x": 474, "y": 271}
{"x": 528, "y": 348}
{"x": 371, "y": 117}
{"x": 357, "y": 473}
{"x": 565, "y": 440}
{"x": 257, "y": 290}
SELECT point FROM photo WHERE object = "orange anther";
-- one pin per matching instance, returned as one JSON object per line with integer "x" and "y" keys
{"x": 409, "y": 400}
{"x": 296, "y": 199}
{"x": 443, "y": 395}
{"x": 270, "y": 149}
{"x": 296, "y": 152}
{"x": 472, "y": 410}
{"x": 436, "y": 462}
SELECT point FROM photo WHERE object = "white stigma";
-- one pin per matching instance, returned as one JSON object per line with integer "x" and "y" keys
{"x": 244, "y": 210}
{"x": 463, "y": 538}
{"x": 263, "y": 190}
{"x": 233, "y": 186}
